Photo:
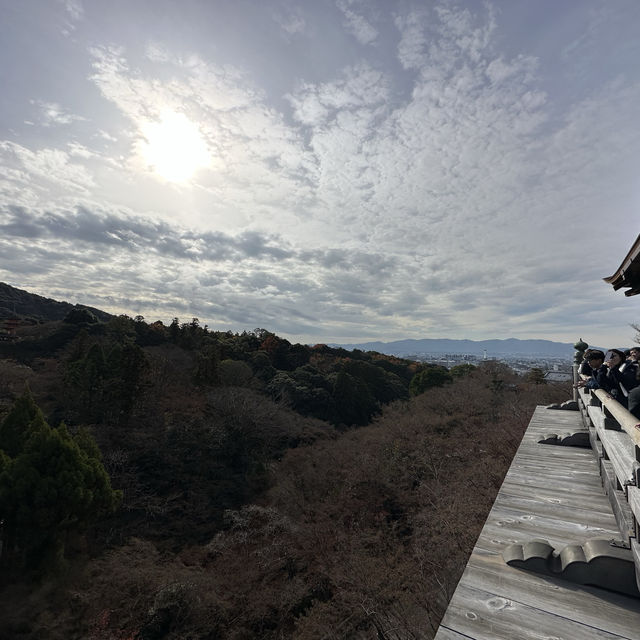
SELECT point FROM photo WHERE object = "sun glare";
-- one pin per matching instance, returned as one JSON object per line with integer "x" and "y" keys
{"x": 173, "y": 147}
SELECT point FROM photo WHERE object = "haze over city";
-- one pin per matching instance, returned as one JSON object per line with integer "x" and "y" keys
{"x": 337, "y": 171}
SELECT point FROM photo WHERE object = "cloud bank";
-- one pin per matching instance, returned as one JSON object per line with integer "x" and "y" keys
{"x": 435, "y": 180}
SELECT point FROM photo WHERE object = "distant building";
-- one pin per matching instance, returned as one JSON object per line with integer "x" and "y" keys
{"x": 558, "y": 376}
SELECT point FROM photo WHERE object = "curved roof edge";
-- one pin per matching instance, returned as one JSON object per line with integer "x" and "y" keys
{"x": 628, "y": 273}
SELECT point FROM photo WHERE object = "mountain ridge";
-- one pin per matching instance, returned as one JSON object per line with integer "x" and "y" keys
{"x": 19, "y": 302}
{"x": 15, "y": 301}
{"x": 513, "y": 346}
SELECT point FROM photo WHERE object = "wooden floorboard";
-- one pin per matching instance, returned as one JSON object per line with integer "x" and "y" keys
{"x": 554, "y": 493}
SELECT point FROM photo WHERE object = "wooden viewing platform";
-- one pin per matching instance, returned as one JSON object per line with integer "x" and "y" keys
{"x": 553, "y": 493}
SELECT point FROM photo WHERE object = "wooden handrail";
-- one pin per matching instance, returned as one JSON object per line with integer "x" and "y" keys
{"x": 625, "y": 419}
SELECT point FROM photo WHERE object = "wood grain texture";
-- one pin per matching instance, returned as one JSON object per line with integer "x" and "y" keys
{"x": 554, "y": 493}
{"x": 620, "y": 450}
{"x": 626, "y": 420}
{"x": 634, "y": 501}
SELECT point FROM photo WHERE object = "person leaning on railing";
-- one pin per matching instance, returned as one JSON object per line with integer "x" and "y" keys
{"x": 585, "y": 367}
{"x": 593, "y": 362}
{"x": 633, "y": 401}
{"x": 618, "y": 376}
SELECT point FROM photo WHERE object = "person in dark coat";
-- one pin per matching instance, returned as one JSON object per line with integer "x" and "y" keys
{"x": 618, "y": 377}
{"x": 634, "y": 402}
{"x": 593, "y": 361}
{"x": 585, "y": 367}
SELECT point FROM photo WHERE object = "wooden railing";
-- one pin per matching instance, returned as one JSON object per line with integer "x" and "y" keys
{"x": 614, "y": 434}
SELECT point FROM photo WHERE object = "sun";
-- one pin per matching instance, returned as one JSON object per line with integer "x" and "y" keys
{"x": 173, "y": 147}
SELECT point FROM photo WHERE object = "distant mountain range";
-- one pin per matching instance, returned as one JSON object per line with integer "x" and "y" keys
{"x": 17, "y": 302}
{"x": 510, "y": 346}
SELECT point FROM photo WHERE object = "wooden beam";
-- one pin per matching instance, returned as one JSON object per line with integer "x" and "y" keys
{"x": 625, "y": 419}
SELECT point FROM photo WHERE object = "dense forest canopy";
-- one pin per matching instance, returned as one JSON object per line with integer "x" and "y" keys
{"x": 235, "y": 485}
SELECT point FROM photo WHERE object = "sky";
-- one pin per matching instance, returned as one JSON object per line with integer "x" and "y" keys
{"x": 330, "y": 170}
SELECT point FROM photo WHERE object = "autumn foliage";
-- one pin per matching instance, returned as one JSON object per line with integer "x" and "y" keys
{"x": 269, "y": 490}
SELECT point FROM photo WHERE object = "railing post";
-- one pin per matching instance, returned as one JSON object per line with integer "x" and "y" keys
{"x": 578, "y": 358}
{"x": 609, "y": 421}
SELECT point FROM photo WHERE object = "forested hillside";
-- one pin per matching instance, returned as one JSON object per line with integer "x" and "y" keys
{"x": 241, "y": 486}
{"x": 16, "y": 302}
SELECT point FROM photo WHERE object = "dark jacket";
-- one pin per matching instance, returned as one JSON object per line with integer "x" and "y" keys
{"x": 592, "y": 382}
{"x": 585, "y": 369}
{"x": 634, "y": 402}
{"x": 618, "y": 381}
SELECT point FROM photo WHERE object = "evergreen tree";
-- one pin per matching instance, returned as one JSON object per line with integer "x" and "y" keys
{"x": 174, "y": 330}
{"x": 51, "y": 483}
{"x": 15, "y": 428}
{"x": 536, "y": 375}
{"x": 354, "y": 403}
{"x": 433, "y": 376}
{"x": 462, "y": 370}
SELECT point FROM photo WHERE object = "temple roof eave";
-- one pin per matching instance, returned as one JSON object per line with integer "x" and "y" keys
{"x": 628, "y": 273}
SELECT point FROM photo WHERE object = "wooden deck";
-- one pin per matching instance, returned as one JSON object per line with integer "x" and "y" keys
{"x": 554, "y": 493}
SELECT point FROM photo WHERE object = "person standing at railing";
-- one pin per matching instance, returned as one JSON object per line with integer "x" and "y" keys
{"x": 592, "y": 364}
{"x": 585, "y": 367}
{"x": 634, "y": 402}
{"x": 618, "y": 377}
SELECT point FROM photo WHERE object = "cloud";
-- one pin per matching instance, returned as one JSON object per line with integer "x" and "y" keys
{"x": 253, "y": 150}
{"x": 50, "y": 167}
{"x": 289, "y": 17}
{"x": 437, "y": 38}
{"x": 430, "y": 183}
{"x": 361, "y": 86}
{"x": 148, "y": 262}
{"x": 74, "y": 8}
{"x": 413, "y": 41}
{"x": 139, "y": 235}
{"x": 396, "y": 172}
{"x": 75, "y": 14}
{"x": 358, "y": 25}
{"x": 51, "y": 113}
{"x": 80, "y": 151}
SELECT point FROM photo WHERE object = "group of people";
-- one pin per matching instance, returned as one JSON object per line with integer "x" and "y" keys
{"x": 617, "y": 372}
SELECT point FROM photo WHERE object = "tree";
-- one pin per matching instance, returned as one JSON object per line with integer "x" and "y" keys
{"x": 148, "y": 334}
{"x": 122, "y": 328}
{"x": 354, "y": 403}
{"x": 126, "y": 364}
{"x": 174, "y": 330}
{"x": 13, "y": 433}
{"x": 306, "y": 390}
{"x": 462, "y": 370}
{"x": 434, "y": 376}
{"x": 497, "y": 373}
{"x": 51, "y": 483}
{"x": 207, "y": 364}
{"x": 383, "y": 385}
{"x": 80, "y": 315}
{"x": 85, "y": 381}
{"x": 278, "y": 350}
{"x": 102, "y": 387}
{"x": 536, "y": 375}
{"x": 234, "y": 373}
{"x": 262, "y": 367}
